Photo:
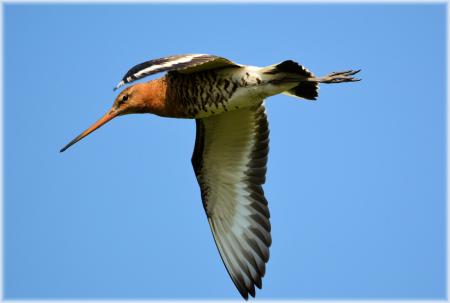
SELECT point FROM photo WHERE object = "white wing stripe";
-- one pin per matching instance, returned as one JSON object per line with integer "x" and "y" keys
{"x": 148, "y": 70}
{"x": 187, "y": 63}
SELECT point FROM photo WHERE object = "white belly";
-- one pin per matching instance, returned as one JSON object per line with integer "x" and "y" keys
{"x": 253, "y": 88}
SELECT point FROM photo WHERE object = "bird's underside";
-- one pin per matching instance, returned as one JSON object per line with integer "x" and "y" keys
{"x": 231, "y": 146}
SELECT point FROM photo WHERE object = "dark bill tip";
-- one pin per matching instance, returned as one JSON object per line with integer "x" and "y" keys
{"x": 109, "y": 116}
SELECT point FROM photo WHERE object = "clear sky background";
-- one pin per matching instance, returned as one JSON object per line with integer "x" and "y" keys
{"x": 356, "y": 180}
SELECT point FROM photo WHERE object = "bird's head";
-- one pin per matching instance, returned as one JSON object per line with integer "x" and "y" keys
{"x": 132, "y": 100}
{"x": 139, "y": 98}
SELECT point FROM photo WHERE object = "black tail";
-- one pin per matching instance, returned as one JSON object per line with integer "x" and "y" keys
{"x": 308, "y": 83}
{"x": 289, "y": 66}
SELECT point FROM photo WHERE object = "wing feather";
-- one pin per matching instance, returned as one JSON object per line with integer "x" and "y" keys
{"x": 229, "y": 160}
{"x": 187, "y": 63}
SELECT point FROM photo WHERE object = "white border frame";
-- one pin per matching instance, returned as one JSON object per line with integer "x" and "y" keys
{"x": 281, "y": 2}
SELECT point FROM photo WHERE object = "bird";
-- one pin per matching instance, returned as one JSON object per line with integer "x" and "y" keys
{"x": 227, "y": 102}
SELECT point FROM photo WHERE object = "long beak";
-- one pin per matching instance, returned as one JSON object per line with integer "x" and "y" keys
{"x": 103, "y": 120}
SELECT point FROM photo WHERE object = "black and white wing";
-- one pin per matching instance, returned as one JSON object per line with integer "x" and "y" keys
{"x": 229, "y": 160}
{"x": 187, "y": 63}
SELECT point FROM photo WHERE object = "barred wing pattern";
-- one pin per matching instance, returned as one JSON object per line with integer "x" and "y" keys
{"x": 229, "y": 160}
{"x": 187, "y": 63}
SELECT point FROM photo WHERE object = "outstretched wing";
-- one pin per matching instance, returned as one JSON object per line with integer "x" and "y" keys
{"x": 229, "y": 160}
{"x": 187, "y": 63}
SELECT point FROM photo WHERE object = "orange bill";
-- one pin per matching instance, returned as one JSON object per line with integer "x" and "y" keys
{"x": 103, "y": 120}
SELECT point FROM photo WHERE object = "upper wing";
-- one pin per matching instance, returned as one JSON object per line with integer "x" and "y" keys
{"x": 229, "y": 160}
{"x": 187, "y": 63}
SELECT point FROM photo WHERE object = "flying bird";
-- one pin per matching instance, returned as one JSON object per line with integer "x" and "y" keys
{"x": 226, "y": 100}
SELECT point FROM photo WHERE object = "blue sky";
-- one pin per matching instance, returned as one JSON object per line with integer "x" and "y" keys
{"x": 356, "y": 180}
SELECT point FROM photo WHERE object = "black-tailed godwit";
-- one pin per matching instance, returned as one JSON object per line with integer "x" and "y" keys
{"x": 232, "y": 141}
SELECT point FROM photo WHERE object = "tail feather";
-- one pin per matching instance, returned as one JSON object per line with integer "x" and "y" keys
{"x": 289, "y": 66}
{"x": 308, "y": 89}
{"x": 305, "y": 90}
{"x": 308, "y": 84}
{"x": 294, "y": 72}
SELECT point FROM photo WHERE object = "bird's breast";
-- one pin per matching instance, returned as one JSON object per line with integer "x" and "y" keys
{"x": 208, "y": 93}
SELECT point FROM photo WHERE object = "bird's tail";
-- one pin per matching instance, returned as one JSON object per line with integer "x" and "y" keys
{"x": 308, "y": 84}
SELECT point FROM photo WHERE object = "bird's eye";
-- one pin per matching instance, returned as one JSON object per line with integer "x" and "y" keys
{"x": 123, "y": 100}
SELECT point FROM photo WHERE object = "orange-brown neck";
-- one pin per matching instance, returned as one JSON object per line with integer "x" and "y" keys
{"x": 153, "y": 94}
{"x": 154, "y": 98}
